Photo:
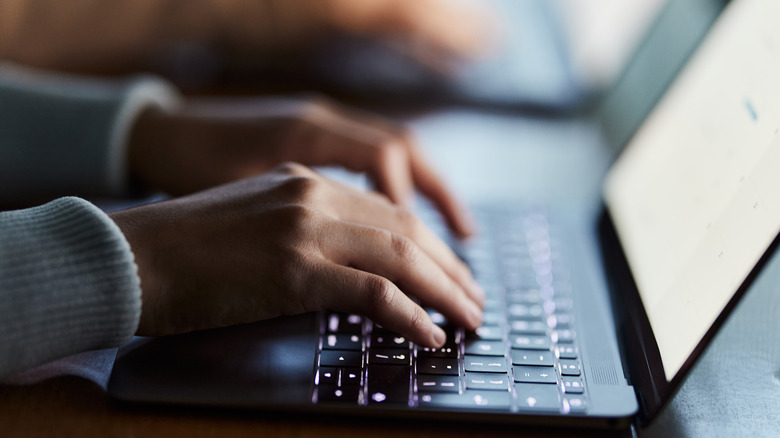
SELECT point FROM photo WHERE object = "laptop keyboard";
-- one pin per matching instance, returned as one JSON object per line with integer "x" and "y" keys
{"x": 524, "y": 358}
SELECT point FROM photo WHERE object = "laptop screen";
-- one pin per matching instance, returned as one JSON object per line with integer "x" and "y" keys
{"x": 695, "y": 197}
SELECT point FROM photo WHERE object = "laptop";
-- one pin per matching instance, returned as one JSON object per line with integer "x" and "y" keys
{"x": 584, "y": 327}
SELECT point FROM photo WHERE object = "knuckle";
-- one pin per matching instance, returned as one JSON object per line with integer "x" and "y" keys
{"x": 294, "y": 169}
{"x": 303, "y": 189}
{"x": 381, "y": 293}
{"x": 418, "y": 320}
{"x": 390, "y": 150}
{"x": 405, "y": 135}
{"x": 298, "y": 215}
{"x": 314, "y": 108}
{"x": 409, "y": 222}
{"x": 404, "y": 249}
{"x": 407, "y": 219}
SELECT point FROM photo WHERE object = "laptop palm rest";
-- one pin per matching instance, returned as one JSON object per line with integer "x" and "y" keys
{"x": 254, "y": 365}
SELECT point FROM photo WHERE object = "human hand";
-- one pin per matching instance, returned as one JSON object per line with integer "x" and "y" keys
{"x": 211, "y": 142}
{"x": 290, "y": 242}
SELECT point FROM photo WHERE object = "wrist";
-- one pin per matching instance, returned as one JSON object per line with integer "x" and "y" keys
{"x": 146, "y": 145}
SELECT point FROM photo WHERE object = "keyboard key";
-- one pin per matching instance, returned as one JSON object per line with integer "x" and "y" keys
{"x": 485, "y": 364}
{"x": 350, "y": 377}
{"x": 572, "y": 385}
{"x": 524, "y": 297}
{"x": 390, "y": 357}
{"x": 328, "y": 393}
{"x": 437, "y": 352}
{"x": 563, "y": 304}
{"x": 378, "y": 329}
{"x": 525, "y": 311}
{"x": 439, "y": 366}
{"x": 487, "y": 381}
{"x": 525, "y": 327}
{"x": 565, "y": 336}
{"x": 388, "y": 385}
{"x": 454, "y": 336}
{"x": 531, "y": 342}
{"x": 469, "y": 399}
{"x": 438, "y": 384}
{"x": 328, "y": 376}
{"x": 567, "y": 352}
{"x": 383, "y": 340}
{"x": 341, "y": 358}
{"x": 494, "y": 304}
{"x": 342, "y": 342}
{"x": 437, "y": 318}
{"x": 492, "y": 318}
{"x": 537, "y": 397}
{"x": 574, "y": 404}
{"x": 561, "y": 321}
{"x": 533, "y": 357}
{"x": 526, "y": 374}
{"x": 487, "y": 333}
{"x": 485, "y": 348}
{"x": 569, "y": 367}
{"x": 343, "y": 323}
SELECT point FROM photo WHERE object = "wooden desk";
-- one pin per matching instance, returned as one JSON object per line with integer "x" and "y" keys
{"x": 76, "y": 407}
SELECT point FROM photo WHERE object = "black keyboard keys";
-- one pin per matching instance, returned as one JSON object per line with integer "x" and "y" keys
{"x": 538, "y": 397}
{"x": 388, "y": 384}
{"x": 487, "y": 381}
{"x": 533, "y": 357}
{"x": 439, "y": 366}
{"x": 499, "y": 400}
{"x": 485, "y": 364}
{"x": 390, "y": 357}
{"x": 341, "y": 358}
{"x": 438, "y": 383}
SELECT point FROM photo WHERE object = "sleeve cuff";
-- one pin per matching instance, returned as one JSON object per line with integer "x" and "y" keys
{"x": 68, "y": 283}
{"x": 62, "y": 134}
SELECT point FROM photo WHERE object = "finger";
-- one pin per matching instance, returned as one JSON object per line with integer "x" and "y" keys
{"x": 399, "y": 259}
{"x": 350, "y": 290}
{"x": 360, "y": 144}
{"x": 432, "y": 186}
{"x": 352, "y": 205}
{"x": 397, "y": 164}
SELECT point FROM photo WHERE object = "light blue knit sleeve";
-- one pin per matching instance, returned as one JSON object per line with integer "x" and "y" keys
{"x": 68, "y": 283}
{"x": 63, "y": 134}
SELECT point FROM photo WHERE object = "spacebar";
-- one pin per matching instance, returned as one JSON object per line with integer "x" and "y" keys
{"x": 469, "y": 399}
{"x": 388, "y": 384}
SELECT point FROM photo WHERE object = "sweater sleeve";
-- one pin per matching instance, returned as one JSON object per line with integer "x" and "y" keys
{"x": 67, "y": 135}
{"x": 68, "y": 283}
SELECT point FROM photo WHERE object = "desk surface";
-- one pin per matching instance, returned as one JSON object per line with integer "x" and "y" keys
{"x": 70, "y": 406}
{"x": 733, "y": 390}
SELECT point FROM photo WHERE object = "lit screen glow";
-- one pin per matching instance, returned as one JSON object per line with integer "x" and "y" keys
{"x": 695, "y": 197}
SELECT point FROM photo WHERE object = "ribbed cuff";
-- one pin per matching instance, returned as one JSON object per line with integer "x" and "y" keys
{"x": 62, "y": 134}
{"x": 68, "y": 283}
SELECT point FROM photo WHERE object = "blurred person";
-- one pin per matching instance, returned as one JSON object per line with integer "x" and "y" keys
{"x": 124, "y": 36}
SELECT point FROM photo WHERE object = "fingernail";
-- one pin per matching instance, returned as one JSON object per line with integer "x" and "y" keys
{"x": 439, "y": 336}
